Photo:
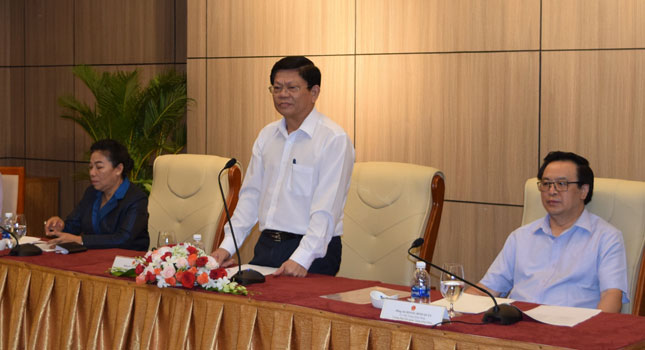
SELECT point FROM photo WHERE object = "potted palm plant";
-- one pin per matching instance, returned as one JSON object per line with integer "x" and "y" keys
{"x": 148, "y": 121}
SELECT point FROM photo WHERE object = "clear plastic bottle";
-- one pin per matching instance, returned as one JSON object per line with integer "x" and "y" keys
{"x": 420, "y": 288}
{"x": 197, "y": 241}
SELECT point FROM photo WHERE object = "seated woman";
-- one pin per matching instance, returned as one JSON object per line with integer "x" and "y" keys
{"x": 113, "y": 212}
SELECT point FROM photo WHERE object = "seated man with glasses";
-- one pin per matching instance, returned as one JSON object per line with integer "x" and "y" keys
{"x": 570, "y": 257}
{"x": 297, "y": 181}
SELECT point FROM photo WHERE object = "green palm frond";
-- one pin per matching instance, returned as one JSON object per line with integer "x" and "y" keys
{"x": 148, "y": 121}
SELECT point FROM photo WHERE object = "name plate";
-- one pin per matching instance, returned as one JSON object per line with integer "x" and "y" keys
{"x": 424, "y": 314}
{"x": 123, "y": 262}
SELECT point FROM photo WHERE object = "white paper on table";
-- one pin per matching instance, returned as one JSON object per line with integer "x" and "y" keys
{"x": 264, "y": 270}
{"x": 29, "y": 240}
{"x": 561, "y": 315}
{"x": 45, "y": 247}
{"x": 472, "y": 304}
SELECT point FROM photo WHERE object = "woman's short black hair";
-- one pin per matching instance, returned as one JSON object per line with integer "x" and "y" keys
{"x": 116, "y": 153}
{"x": 585, "y": 174}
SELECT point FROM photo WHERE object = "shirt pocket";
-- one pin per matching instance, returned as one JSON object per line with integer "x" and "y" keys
{"x": 301, "y": 182}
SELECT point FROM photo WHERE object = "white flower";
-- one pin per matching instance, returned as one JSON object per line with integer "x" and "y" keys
{"x": 161, "y": 283}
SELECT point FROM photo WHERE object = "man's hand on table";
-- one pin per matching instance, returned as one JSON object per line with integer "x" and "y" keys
{"x": 223, "y": 258}
{"x": 291, "y": 268}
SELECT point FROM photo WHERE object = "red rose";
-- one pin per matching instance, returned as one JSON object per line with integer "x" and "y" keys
{"x": 201, "y": 261}
{"x": 191, "y": 249}
{"x": 217, "y": 273}
{"x": 150, "y": 277}
{"x": 149, "y": 259}
{"x": 139, "y": 269}
{"x": 188, "y": 280}
{"x": 166, "y": 256}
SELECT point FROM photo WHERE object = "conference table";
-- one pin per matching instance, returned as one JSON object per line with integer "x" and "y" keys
{"x": 57, "y": 301}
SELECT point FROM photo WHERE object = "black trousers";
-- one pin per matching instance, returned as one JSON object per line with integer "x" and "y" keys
{"x": 269, "y": 252}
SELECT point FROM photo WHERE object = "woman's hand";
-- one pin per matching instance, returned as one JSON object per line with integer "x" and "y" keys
{"x": 63, "y": 237}
{"x": 54, "y": 224}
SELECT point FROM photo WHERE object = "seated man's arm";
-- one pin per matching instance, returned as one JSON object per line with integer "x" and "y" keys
{"x": 475, "y": 291}
{"x": 612, "y": 273}
{"x": 611, "y": 300}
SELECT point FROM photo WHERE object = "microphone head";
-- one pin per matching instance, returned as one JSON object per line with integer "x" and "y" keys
{"x": 417, "y": 243}
{"x": 230, "y": 163}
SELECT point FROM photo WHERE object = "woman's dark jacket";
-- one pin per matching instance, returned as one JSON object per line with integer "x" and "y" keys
{"x": 125, "y": 225}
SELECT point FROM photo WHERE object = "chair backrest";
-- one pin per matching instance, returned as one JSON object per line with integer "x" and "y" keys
{"x": 13, "y": 189}
{"x": 389, "y": 205}
{"x": 185, "y": 197}
{"x": 622, "y": 204}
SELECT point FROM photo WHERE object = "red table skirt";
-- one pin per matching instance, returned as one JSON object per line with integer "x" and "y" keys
{"x": 605, "y": 331}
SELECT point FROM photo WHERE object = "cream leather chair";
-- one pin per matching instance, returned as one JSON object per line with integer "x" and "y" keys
{"x": 621, "y": 203}
{"x": 389, "y": 205}
{"x": 185, "y": 197}
{"x": 13, "y": 189}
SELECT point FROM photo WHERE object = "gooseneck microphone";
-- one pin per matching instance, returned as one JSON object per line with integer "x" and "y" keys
{"x": 22, "y": 250}
{"x": 247, "y": 276}
{"x": 503, "y": 314}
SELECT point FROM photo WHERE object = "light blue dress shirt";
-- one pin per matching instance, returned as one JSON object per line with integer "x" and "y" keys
{"x": 572, "y": 269}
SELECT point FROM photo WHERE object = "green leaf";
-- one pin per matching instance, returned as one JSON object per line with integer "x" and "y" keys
{"x": 122, "y": 272}
{"x": 149, "y": 121}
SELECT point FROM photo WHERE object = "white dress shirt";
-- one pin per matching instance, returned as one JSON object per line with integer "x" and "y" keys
{"x": 296, "y": 183}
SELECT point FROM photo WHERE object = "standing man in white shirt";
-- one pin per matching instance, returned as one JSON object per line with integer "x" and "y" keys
{"x": 297, "y": 181}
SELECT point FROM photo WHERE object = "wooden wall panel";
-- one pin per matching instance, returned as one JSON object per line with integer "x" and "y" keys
{"x": 81, "y": 183}
{"x": 279, "y": 27}
{"x": 47, "y": 135}
{"x": 196, "y": 116}
{"x": 588, "y": 24}
{"x": 593, "y": 104}
{"x": 385, "y": 26}
{"x": 12, "y": 33}
{"x": 473, "y": 234}
{"x": 239, "y": 103}
{"x": 49, "y": 32}
{"x": 181, "y": 31}
{"x": 474, "y": 116}
{"x": 62, "y": 170}
{"x": 196, "y": 28}
{"x": 12, "y": 112}
{"x": 124, "y": 31}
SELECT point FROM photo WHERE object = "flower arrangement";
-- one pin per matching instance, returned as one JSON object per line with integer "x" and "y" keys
{"x": 183, "y": 265}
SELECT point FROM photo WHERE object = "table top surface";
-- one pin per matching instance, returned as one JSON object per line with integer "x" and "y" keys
{"x": 608, "y": 331}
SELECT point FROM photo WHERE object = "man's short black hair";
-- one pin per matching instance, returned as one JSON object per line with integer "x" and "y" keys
{"x": 116, "y": 153}
{"x": 306, "y": 69}
{"x": 585, "y": 174}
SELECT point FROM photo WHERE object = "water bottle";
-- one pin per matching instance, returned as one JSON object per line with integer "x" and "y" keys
{"x": 197, "y": 241}
{"x": 6, "y": 223}
{"x": 420, "y": 289}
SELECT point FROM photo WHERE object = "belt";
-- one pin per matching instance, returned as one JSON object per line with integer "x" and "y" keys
{"x": 279, "y": 236}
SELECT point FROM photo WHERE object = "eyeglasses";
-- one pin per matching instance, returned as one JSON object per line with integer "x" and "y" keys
{"x": 276, "y": 90}
{"x": 560, "y": 185}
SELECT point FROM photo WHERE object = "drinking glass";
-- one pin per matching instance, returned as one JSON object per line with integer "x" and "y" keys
{"x": 166, "y": 238}
{"x": 20, "y": 225}
{"x": 451, "y": 287}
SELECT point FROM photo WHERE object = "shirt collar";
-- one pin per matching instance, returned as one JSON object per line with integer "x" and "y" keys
{"x": 123, "y": 188}
{"x": 308, "y": 125}
{"x": 583, "y": 222}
